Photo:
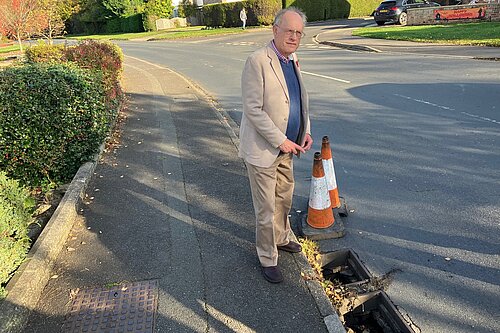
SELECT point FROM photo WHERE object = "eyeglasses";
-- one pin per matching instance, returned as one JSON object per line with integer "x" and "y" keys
{"x": 290, "y": 32}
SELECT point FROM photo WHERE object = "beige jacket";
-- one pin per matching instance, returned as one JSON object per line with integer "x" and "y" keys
{"x": 266, "y": 108}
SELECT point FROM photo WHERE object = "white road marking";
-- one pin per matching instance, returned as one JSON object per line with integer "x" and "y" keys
{"x": 482, "y": 118}
{"x": 448, "y": 108}
{"x": 425, "y": 102}
{"x": 325, "y": 77}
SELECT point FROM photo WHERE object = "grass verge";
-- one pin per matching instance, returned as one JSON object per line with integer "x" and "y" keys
{"x": 10, "y": 48}
{"x": 174, "y": 33}
{"x": 481, "y": 34}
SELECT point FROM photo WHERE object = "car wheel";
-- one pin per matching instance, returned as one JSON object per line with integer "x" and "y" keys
{"x": 380, "y": 22}
{"x": 403, "y": 18}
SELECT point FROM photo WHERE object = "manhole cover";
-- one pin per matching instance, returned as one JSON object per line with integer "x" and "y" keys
{"x": 124, "y": 308}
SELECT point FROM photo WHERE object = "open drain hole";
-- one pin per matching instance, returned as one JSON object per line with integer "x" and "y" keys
{"x": 344, "y": 267}
{"x": 362, "y": 311}
{"x": 374, "y": 313}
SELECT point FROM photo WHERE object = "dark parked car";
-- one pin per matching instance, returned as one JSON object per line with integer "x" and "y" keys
{"x": 394, "y": 11}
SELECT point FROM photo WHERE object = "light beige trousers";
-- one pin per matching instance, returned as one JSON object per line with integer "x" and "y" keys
{"x": 272, "y": 192}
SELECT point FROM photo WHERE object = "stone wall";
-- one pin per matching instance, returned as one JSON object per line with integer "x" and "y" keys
{"x": 162, "y": 24}
{"x": 454, "y": 14}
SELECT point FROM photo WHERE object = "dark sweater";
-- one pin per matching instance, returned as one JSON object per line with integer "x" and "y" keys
{"x": 292, "y": 82}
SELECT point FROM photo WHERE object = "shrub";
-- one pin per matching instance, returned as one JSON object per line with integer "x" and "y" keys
{"x": 215, "y": 15}
{"x": 104, "y": 57}
{"x": 317, "y": 10}
{"x": 187, "y": 8}
{"x": 154, "y": 10}
{"x": 259, "y": 12}
{"x": 53, "y": 118}
{"x": 112, "y": 26}
{"x": 16, "y": 207}
{"x": 132, "y": 23}
{"x": 149, "y": 22}
{"x": 263, "y": 10}
{"x": 361, "y": 8}
{"x": 43, "y": 52}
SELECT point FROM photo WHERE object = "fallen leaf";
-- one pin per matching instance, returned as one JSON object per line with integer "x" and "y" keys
{"x": 73, "y": 293}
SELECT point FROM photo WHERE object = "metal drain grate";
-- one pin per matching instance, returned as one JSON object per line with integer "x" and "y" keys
{"x": 121, "y": 309}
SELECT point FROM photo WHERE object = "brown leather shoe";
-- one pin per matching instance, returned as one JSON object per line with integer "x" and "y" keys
{"x": 291, "y": 247}
{"x": 272, "y": 274}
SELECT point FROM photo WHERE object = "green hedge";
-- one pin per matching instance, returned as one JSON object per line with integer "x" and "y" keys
{"x": 91, "y": 54}
{"x": 361, "y": 8}
{"x": 149, "y": 22}
{"x": 53, "y": 118}
{"x": 100, "y": 62}
{"x": 43, "y": 52}
{"x": 131, "y": 23}
{"x": 16, "y": 208}
{"x": 317, "y": 10}
{"x": 259, "y": 12}
{"x": 105, "y": 58}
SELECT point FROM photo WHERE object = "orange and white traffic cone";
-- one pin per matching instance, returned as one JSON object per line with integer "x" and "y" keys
{"x": 319, "y": 214}
{"x": 326, "y": 155}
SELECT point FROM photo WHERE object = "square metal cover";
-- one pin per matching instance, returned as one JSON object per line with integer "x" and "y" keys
{"x": 119, "y": 309}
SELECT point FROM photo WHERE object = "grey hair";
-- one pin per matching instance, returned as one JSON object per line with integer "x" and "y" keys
{"x": 279, "y": 15}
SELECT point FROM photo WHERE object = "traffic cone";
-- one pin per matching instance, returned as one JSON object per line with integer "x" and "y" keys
{"x": 319, "y": 214}
{"x": 326, "y": 155}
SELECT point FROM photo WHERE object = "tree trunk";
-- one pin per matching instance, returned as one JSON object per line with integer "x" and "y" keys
{"x": 18, "y": 36}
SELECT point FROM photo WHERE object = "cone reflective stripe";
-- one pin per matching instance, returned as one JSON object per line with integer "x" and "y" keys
{"x": 326, "y": 155}
{"x": 319, "y": 214}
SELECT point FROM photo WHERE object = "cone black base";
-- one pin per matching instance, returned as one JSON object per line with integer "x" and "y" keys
{"x": 337, "y": 230}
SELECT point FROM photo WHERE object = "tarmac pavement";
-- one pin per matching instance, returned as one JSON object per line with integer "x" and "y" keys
{"x": 169, "y": 203}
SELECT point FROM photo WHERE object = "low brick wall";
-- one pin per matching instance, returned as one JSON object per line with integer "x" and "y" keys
{"x": 454, "y": 14}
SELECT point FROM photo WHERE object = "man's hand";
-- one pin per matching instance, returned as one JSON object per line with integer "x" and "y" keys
{"x": 291, "y": 147}
{"x": 308, "y": 142}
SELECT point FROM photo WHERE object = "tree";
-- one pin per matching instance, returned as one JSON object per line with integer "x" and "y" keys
{"x": 187, "y": 8}
{"x": 54, "y": 14}
{"x": 124, "y": 8}
{"x": 18, "y": 18}
{"x": 90, "y": 17}
{"x": 159, "y": 8}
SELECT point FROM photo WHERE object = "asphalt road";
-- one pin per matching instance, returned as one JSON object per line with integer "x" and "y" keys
{"x": 415, "y": 139}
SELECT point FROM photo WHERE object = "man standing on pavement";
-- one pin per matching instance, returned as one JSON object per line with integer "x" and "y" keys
{"x": 274, "y": 127}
